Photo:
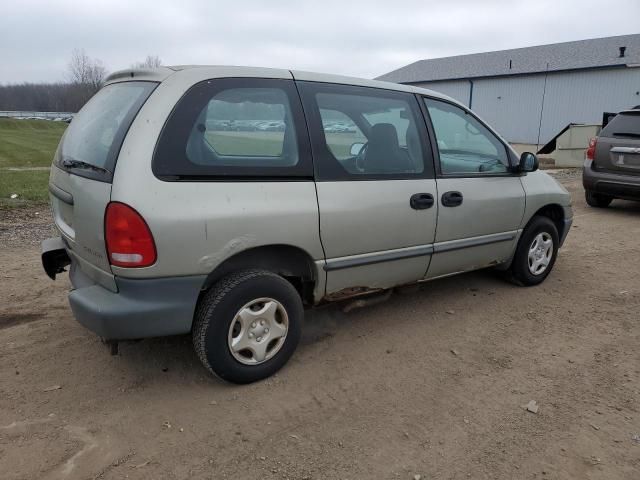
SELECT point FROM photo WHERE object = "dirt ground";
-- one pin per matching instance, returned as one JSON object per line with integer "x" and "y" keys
{"x": 431, "y": 383}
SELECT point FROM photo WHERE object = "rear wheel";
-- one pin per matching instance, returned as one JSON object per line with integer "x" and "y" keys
{"x": 536, "y": 252}
{"x": 248, "y": 325}
{"x": 597, "y": 200}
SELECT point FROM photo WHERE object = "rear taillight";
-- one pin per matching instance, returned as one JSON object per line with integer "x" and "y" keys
{"x": 128, "y": 238}
{"x": 591, "y": 149}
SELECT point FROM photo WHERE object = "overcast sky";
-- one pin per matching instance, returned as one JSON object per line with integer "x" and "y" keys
{"x": 359, "y": 38}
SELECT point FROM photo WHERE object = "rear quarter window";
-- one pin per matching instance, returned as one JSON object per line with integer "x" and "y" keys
{"x": 235, "y": 128}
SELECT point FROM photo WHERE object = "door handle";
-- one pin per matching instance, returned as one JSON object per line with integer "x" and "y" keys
{"x": 451, "y": 199}
{"x": 421, "y": 201}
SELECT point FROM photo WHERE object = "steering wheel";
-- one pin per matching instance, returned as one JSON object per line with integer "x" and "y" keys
{"x": 360, "y": 157}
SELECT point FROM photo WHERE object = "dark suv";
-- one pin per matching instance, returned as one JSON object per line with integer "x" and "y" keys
{"x": 612, "y": 161}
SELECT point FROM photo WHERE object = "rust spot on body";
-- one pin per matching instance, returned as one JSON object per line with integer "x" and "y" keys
{"x": 350, "y": 292}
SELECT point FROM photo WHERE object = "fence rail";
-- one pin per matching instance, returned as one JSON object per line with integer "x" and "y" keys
{"x": 31, "y": 114}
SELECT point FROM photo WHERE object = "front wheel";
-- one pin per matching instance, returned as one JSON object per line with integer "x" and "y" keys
{"x": 536, "y": 252}
{"x": 248, "y": 325}
{"x": 597, "y": 200}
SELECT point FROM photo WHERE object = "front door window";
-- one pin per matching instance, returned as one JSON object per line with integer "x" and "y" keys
{"x": 465, "y": 145}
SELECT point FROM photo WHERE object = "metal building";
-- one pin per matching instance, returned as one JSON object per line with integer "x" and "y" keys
{"x": 530, "y": 94}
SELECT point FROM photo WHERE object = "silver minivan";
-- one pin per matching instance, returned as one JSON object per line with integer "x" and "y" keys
{"x": 223, "y": 201}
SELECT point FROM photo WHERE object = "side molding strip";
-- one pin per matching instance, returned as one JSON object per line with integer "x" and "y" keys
{"x": 452, "y": 245}
{"x": 378, "y": 257}
{"x": 419, "y": 251}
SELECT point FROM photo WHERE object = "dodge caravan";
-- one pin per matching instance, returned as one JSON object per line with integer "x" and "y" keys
{"x": 223, "y": 201}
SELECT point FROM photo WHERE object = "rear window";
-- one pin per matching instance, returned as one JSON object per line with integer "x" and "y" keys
{"x": 623, "y": 125}
{"x": 97, "y": 131}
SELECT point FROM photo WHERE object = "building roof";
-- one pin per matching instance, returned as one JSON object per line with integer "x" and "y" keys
{"x": 581, "y": 54}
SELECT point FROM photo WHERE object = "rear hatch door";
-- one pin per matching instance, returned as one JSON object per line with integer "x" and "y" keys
{"x": 82, "y": 171}
{"x": 618, "y": 146}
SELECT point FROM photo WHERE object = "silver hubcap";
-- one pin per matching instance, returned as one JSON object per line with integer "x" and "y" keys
{"x": 540, "y": 253}
{"x": 258, "y": 331}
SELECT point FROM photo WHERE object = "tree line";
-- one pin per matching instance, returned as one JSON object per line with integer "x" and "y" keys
{"x": 85, "y": 76}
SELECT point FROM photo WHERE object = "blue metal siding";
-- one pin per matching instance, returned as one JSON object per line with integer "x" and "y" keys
{"x": 513, "y": 105}
{"x": 510, "y": 105}
{"x": 582, "y": 98}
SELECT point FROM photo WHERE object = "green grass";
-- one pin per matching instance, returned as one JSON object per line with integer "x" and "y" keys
{"x": 30, "y": 185}
{"x": 246, "y": 143}
{"x": 340, "y": 143}
{"x": 270, "y": 143}
{"x": 26, "y": 144}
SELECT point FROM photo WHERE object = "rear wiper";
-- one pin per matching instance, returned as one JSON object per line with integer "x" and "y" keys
{"x": 627, "y": 134}
{"x": 84, "y": 165}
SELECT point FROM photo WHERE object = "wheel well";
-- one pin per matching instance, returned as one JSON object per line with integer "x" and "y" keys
{"x": 292, "y": 263}
{"x": 556, "y": 214}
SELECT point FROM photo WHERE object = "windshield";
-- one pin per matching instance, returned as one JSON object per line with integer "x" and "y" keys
{"x": 93, "y": 140}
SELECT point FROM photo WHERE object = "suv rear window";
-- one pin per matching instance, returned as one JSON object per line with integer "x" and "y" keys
{"x": 626, "y": 124}
{"x": 97, "y": 131}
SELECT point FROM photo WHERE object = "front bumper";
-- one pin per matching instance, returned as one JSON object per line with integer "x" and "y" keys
{"x": 612, "y": 184}
{"x": 140, "y": 308}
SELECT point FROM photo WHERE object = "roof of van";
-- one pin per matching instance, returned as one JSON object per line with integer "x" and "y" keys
{"x": 161, "y": 73}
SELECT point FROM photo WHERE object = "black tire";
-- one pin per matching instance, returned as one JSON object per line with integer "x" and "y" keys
{"x": 217, "y": 309}
{"x": 597, "y": 200}
{"x": 520, "y": 271}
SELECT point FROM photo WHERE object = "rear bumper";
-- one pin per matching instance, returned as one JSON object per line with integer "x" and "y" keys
{"x": 140, "y": 308}
{"x": 612, "y": 184}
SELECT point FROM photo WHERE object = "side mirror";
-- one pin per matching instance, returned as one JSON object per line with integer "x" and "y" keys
{"x": 356, "y": 148}
{"x": 528, "y": 162}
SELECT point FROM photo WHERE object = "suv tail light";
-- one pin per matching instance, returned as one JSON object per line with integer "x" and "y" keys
{"x": 591, "y": 150}
{"x": 128, "y": 238}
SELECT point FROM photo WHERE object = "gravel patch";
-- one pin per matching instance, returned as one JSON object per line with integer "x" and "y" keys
{"x": 565, "y": 173}
{"x": 25, "y": 226}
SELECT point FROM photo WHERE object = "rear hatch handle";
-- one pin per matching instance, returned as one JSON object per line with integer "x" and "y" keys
{"x": 60, "y": 194}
